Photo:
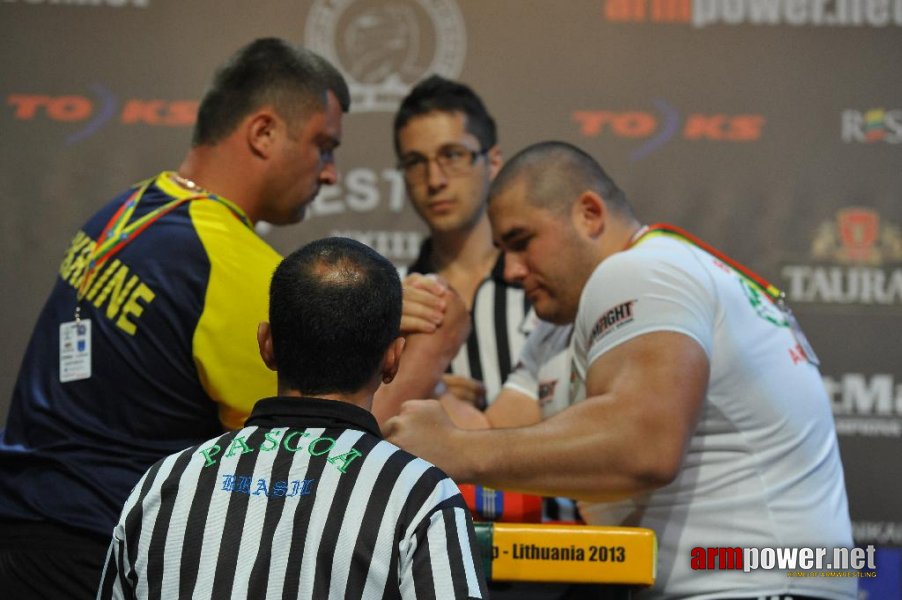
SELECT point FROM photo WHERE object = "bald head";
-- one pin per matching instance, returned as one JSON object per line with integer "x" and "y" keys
{"x": 555, "y": 174}
{"x": 335, "y": 308}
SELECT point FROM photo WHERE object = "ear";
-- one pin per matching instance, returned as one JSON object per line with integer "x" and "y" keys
{"x": 495, "y": 160}
{"x": 264, "y": 342}
{"x": 260, "y": 130}
{"x": 392, "y": 360}
{"x": 590, "y": 213}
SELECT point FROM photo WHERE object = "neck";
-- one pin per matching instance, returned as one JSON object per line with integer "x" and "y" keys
{"x": 470, "y": 250}
{"x": 619, "y": 235}
{"x": 362, "y": 398}
{"x": 214, "y": 169}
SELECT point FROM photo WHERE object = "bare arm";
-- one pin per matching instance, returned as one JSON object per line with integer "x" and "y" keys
{"x": 510, "y": 408}
{"x": 629, "y": 435}
{"x": 425, "y": 358}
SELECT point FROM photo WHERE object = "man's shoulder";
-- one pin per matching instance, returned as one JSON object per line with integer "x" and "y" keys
{"x": 152, "y": 479}
{"x": 101, "y": 216}
{"x": 630, "y": 267}
{"x": 244, "y": 257}
{"x": 646, "y": 260}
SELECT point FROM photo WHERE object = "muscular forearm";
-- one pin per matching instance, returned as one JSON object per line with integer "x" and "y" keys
{"x": 426, "y": 355}
{"x": 464, "y": 414}
{"x": 629, "y": 436}
{"x": 579, "y": 453}
{"x": 510, "y": 408}
{"x": 423, "y": 362}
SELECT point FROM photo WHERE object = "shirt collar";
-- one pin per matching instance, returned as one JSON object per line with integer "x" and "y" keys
{"x": 305, "y": 411}
{"x": 423, "y": 263}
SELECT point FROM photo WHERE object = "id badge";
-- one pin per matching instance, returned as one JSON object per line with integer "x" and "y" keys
{"x": 75, "y": 350}
{"x": 800, "y": 337}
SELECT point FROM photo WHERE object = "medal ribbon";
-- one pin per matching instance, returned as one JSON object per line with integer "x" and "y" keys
{"x": 749, "y": 276}
{"x": 119, "y": 232}
{"x": 772, "y": 291}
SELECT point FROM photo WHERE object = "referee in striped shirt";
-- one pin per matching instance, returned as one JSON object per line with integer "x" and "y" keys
{"x": 447, "y": 146}
{"x": 307, "y": 500}
{"x": 448, "y": 152}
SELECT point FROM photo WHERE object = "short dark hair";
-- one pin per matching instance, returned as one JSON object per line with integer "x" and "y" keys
{"x": 556, "y": 173}
{"x": 436, "y": 93}
{"x": 334, "y": 309}
{"x": 267, "y": 71}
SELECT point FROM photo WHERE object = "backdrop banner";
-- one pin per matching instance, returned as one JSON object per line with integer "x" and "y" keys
{"x": 770, "y": 128}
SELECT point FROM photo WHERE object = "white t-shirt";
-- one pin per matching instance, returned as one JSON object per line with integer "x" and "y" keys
{"x": 763, "y": 466}
{"x": 543, "y": 369}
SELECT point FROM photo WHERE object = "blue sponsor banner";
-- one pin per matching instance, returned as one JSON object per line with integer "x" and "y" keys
{"x": 887, "y": 585}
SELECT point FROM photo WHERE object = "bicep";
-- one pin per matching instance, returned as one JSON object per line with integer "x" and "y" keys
{"x": 657, "y": 383}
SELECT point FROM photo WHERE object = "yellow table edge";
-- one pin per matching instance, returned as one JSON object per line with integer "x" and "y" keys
{"x": 567, "y": 553}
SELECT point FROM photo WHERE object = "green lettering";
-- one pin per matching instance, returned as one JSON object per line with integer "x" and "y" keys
{"x": 271, "y": 438}
{"x": 345, "y": 459}
{"x": 288, "y": 437}
{"x": 314, "y": 452}
{"x": 209, "y": 453}
{"x": 238, "y": 444}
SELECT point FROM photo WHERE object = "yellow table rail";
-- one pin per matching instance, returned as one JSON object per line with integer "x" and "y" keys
{"x": 567, "y": 553}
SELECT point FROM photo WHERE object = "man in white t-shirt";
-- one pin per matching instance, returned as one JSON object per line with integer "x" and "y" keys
{"x": 694, "y": 405}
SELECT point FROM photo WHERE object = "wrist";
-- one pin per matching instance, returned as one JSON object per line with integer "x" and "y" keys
{"x": 470, "y": 463}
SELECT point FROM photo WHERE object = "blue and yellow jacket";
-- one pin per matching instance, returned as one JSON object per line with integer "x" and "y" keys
{"x": 174, "y": 357}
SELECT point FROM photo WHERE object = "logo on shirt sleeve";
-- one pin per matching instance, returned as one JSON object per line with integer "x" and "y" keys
{"x": 611, "y": 320}
{"x": 546, "y": 391}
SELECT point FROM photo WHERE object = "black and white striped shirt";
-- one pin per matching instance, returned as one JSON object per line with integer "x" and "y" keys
{"x": 307, "y": 501}
{"x": 501, "y": 320}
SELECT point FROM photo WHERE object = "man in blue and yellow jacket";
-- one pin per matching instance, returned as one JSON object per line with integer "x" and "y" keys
{"x": 146, "y": 344}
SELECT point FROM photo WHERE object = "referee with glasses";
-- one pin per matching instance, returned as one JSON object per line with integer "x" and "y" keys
{"x": 448, "y": 153}
{"x": 307, "y": 500}
{"x": 447, "y": 147}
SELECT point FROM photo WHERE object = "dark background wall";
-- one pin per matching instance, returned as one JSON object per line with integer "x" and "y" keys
{"x": 770, "y": 128}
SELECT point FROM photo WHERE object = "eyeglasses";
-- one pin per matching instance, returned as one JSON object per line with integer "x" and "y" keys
{"x": 453, "y": 160}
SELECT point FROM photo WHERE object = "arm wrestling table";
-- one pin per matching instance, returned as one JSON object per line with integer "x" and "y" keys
{"x": 623, "y": 558}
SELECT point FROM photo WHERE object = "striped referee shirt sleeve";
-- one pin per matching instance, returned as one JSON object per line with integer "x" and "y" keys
{"x": 114, "y": 584}
{"x": 443, "y": 560}
{"x": 119, "y": 577}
